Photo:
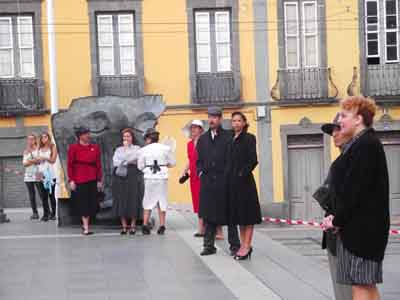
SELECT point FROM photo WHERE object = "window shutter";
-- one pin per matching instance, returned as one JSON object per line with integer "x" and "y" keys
{"x": 391, "y": 30}
{"x": 26, "y": 46}
{"x": 6, "y": 48}
{"x": 372, "y": 27}
{"x": 310, "y": 32}
{"x": 203, "y": 47}
{"x": 223, "y": 41}
{"x": 127, "y": 44}
{"x": 292, "y": 35}
{"x": 105, "y": 44}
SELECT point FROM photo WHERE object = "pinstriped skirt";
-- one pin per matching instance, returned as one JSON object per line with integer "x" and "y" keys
{"x": 355, "y": 270}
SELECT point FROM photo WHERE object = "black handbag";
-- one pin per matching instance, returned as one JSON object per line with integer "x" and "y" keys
{"x": 323, "y": 196}
{"x": 183, "y": 178}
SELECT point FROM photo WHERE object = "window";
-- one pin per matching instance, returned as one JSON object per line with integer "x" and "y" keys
{"x": 301, "y": 34}
{"x": 382, "y": 31}
{"x": 17, "y": 47}
{"x": 116, "y": 44}
{"x": 213, "y": 41}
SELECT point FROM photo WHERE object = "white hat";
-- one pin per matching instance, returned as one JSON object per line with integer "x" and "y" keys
{"x": 197, "y": 123}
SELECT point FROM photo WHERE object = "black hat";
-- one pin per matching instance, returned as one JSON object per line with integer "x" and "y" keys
{"x": 150, "y": 131}
{"x": 81, "y": 130}
{"x": 329, "y": 127}
{"x": 215, "y": 111}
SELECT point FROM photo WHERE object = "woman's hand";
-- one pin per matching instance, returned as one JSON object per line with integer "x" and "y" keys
{"x": 327, "y": 223}
{"x": 99, "y": 186}
{"x": 72, "y": 185}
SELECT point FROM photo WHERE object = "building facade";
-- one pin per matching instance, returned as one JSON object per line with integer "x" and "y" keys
{"x": 284, "y": 63}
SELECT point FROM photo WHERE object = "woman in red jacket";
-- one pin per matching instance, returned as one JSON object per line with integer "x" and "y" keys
{"x": 196, "y": 130}
{"x": 85, "y": 176}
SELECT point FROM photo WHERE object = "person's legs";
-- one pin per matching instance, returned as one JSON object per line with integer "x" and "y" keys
{"x": 220, "y": 233}
{"x": 246, "y": 236}
{"x": 32, "y": 198}
{"x": 209, "y": 236}
{"x": 53, "y": 204}
{"x": 233, "y": 239}
{"x": 124, "y": 224}
{"x": 44, "y": 195}
{"x": 365, "y": 292}
{"x": 201, "y": 226}
{"x": 85, "y": 224}
{"x": 146, "y": 217}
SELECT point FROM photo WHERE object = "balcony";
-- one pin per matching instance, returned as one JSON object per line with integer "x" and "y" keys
{"x": 21, "y": 96}
{"x": 304, "y": 85}
{"x": 125, "y": 86}
{"x": 217, "y": 88}
{"x": 382, "y": 81}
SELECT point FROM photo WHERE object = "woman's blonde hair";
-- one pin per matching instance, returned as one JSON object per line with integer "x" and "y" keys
{"x": 35, "y": 138}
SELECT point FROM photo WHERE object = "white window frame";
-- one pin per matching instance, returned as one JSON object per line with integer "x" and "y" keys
{"x": 100, "y": 16}
{"x": 372, "y": 31}
{"x": 227, "y": 42}
{"x": 396, "y": 30}
{"x": 31, "y": 47}
{"x": 304, "y": 34}
{"x": 297, "y": 35}
{"x": 207, "y": 44}
{"x": 9, "y": 19}
{"x": 121, "y": 44}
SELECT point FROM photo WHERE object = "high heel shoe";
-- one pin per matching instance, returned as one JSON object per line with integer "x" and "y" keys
{"x": 244, "y": 257}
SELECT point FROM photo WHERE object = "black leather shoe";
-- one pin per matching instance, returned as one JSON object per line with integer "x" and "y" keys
{"x": 244, "y": 257}
{"x": 146, "y": 230}
{"x": 44, "y": 219}
{"x": 52, "y": 217}
{"x": 35, "y": 216}
{"x": 161, "y": 230}
{"x": 208, "y": 251}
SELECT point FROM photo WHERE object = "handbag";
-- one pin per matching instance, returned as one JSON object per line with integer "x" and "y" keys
{"x": 183, "y": 178}
{"x": 121, "y": 171}
{"x": 323, "y": 196}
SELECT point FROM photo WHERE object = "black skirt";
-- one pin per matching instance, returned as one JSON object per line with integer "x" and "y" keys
{"x": 128, "y": 194}
{"x": 84, "y": 199}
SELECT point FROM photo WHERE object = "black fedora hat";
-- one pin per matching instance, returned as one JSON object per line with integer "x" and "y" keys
{"x": 81, "y": 130}
{"x": 150, "y": 131}
{"x": 329, "y": 127}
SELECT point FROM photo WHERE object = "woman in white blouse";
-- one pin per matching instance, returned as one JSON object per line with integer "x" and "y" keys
{"x": 127, "y": 184}
{"x": 31, "y": 162}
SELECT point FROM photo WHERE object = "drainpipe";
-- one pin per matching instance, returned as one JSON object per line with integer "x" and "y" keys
{"x": 53, "y": 80}
{"x": 52, "y": 57}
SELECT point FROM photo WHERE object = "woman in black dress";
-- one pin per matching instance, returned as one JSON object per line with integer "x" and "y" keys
{"x": 244, "y": 207}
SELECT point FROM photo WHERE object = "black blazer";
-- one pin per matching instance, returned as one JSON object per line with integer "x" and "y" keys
{"x": 361, "y": 184}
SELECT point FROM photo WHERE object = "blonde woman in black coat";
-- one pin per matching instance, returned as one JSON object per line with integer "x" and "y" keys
{"x": 243, "y": 205}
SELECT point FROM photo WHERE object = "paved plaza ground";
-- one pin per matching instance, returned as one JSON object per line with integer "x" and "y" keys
{"x": 39, "y": 261}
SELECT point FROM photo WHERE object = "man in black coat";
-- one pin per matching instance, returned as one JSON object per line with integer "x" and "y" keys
{"x": 211, "y": 165}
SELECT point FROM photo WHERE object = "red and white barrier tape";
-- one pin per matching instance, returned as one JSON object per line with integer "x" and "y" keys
{"x": 285, "y": 221}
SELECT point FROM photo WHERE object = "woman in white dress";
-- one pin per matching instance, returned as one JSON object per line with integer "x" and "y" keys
{"x": 127, "y": 184}
{"x": 47, "y": 156}
{"x": 30, "y": 163}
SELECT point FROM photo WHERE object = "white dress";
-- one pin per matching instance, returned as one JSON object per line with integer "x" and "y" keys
{"x": 153, "y": 160}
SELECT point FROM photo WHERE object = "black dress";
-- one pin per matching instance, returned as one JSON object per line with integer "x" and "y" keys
{"x": 243, "y": 205}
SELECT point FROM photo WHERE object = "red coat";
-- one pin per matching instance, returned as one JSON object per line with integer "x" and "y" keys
{"x": 194, "y": 179}
{"x": 84, "y": 163}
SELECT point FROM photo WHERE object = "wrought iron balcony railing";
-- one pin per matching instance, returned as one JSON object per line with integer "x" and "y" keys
{"x": 21, "y": 95}
{"x": 119, "y": 85}
{"x": 216, "y": 88}
{"x": 382, "y": 80}
{"x": 306, "y": 84}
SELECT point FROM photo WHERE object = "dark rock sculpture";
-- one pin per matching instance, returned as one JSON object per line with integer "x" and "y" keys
{"x": 105, "y": 117}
